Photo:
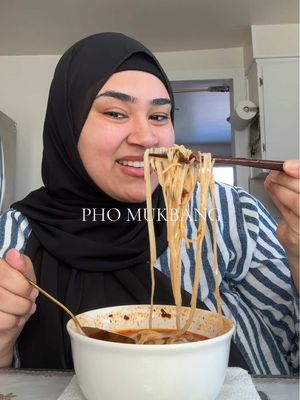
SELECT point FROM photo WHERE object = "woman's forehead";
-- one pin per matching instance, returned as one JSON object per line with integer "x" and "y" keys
{"x": 135, "y": 84}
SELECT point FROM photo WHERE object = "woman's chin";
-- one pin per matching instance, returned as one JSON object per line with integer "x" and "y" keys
{"x": 135, "y": 195}
{"x": 138, "y": 197}
{"x": 132, "y": 193}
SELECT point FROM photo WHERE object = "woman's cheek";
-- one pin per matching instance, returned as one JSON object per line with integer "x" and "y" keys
{"x": 167, "y": 138}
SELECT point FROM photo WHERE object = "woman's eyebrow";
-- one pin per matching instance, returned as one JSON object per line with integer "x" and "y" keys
{"x": 160, "y": 102}
{"x": 131, "y": 99}
{"x": 117, "y": 95}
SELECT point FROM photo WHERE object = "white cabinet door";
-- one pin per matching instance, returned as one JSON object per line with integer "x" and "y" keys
{"x": 279, "y": 108}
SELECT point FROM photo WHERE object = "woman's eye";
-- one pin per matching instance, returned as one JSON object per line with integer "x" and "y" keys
{"x": 115, "y": 114}
{"x": 159, "y": 117}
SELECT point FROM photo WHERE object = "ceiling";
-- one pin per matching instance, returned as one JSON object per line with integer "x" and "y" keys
{"x": 50, "y": 26}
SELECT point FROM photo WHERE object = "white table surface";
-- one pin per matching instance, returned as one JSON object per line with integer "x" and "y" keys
{"x": 48, "y": 385}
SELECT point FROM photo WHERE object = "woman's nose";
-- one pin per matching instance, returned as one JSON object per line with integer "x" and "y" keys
{"x": 142, "y": 134}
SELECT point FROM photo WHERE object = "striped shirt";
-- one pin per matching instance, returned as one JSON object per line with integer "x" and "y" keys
{"x": 254, "y": 276}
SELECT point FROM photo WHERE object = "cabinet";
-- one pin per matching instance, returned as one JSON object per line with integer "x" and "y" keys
{"x": 273, "y": 84}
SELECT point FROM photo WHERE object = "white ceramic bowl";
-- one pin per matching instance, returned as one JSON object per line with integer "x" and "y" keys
{"x": 116, "y": 371}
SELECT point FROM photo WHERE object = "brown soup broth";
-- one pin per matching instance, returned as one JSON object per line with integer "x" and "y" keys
{"x": 188, "y": 336}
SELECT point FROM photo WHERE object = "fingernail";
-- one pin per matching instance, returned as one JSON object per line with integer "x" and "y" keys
{"x": 267, "y": 182}
{"x": 292, "y": 164}
{"x": 268, "y": 179}
{"x": 34, "y": 294}
{"x": 13, "y": 253}
{"x": 33, "y": 308}
{"x": 272, "y": 177}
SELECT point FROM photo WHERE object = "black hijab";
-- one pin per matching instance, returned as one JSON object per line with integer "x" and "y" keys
{"x": 55, "y": 211}
{"x": 85, "y": 264}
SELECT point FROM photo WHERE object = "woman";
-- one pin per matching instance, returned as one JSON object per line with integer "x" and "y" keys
{"x": 109, "y": 101}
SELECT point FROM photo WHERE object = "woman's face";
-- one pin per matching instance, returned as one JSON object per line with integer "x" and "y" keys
{"x": 131, "y": 113}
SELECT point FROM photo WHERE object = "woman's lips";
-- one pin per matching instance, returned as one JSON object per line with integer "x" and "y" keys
{"x": 129, "y": 163}
{"x": 132, "y": 167}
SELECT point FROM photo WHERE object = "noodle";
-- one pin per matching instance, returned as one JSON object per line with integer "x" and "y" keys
{"x": 178, "y": 180}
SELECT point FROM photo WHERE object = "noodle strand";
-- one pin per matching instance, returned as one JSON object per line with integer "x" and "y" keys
{"x": 178, "y": 180}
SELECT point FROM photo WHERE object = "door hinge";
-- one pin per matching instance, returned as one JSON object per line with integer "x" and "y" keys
{"x": 261, "y": 82}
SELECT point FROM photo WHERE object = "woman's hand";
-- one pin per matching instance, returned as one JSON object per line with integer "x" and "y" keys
{"x": 17, "y": 301}
{"x": 284, "y": 189}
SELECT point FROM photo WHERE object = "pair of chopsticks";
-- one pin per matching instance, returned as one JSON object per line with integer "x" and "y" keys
{"x": 246, "y": 162}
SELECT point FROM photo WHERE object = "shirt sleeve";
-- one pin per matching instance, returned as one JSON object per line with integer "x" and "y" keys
{"x": 14, "y": 233}
{"x": 262, "y": 296}
{"x": 255, "y": 281}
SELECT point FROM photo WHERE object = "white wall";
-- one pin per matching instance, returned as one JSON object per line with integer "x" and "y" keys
{"x": 275, "y": 40}
{"x": 182, "y": 62}
{"x": 25, "y": 81}
{"x": 271, "y": 41}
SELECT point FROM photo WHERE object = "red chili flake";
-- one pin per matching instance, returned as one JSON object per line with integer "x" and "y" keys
{"x": 184, "y": 192}
{"x": 164, "y": 314}
{"x": 110, "y": 315}
{"x": 126, "y": 317}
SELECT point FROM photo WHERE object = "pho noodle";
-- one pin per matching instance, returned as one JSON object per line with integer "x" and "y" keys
{"x": 178, "y": 172}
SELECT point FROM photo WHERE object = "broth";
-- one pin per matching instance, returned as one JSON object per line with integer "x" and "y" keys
{"x": 161, "y": 336}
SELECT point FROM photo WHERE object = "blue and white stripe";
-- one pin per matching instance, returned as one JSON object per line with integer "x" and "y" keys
{"x": 14, "y": 231}
{"x": 255, "y": 282}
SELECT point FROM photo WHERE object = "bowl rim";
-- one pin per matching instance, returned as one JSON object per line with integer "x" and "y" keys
{"x": 149, "y": 347}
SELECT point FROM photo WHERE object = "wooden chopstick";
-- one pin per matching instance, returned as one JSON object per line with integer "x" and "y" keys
{"x": 246, "y": 162}
{"x": 250, "y": 162}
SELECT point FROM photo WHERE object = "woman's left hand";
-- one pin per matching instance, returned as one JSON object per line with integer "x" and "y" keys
{"x": 284, "y": 189}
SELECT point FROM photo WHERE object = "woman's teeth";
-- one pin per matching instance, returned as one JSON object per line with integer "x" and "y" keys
{"x": 136, "y": 164}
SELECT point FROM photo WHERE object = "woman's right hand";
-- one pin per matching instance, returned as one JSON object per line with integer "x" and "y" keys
{"x": 17, "y": 300}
